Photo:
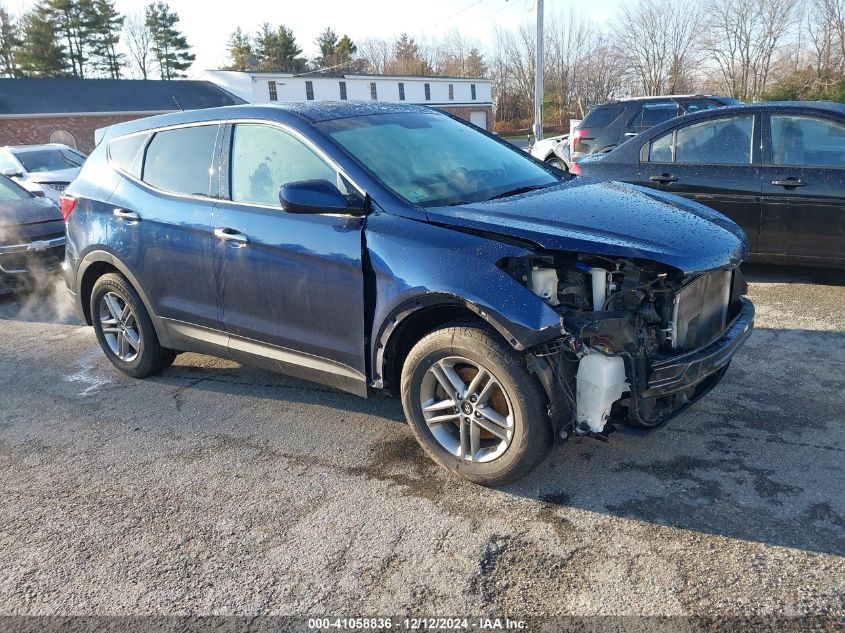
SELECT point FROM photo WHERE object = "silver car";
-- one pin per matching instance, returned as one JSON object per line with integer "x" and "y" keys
{"x": 48, "y": 168}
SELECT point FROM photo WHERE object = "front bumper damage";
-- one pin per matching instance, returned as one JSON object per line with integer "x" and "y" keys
{"x": 659, "y": 386}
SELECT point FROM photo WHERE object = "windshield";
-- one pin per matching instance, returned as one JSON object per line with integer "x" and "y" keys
{"x": 39, "y": 160}
{"x": 430, "y": 159}
{"x": 9, "y": 191}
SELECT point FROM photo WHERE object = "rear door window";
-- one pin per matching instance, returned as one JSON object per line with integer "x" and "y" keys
{"x": 697, "y": 105}
{"x": 602, "y": 116}
{"x": 180, "y": 160}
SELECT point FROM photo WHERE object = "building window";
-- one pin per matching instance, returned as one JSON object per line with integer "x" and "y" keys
{"x": 451, "y": 92}
{"x": 472, "y": 91}
{"x": 271, "y": 86}
{"x": 428, "y": 92}
{"x": 309, "y": 90}
{"x": 401, "y": 91}
{"x": 373, "y": 93}
{"x": 343, "y": 90}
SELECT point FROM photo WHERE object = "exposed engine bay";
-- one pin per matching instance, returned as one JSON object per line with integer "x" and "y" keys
{"x": 625, "y": 322}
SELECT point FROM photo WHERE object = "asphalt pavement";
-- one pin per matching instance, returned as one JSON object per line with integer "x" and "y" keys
{"x": 221, "y": 489}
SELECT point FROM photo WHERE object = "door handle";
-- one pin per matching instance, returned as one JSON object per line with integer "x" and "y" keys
{"x": 230, "y": 235}
{"x": 789, "y": 182}
{"x": 664, "y": 178}
{"x": 125, "y": 214}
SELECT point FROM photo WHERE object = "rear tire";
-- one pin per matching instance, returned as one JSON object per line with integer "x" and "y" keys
{"x": 491, "y": 434}
{"x": 124, "y": 328}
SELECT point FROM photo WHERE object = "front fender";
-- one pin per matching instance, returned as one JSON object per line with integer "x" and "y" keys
{"x": 414, "y": 265}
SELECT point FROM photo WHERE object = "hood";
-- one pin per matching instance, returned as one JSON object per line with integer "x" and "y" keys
{"x": 60, "y": 175}
{"x": 29, "y": 219}
{"x": 608, "y": 218}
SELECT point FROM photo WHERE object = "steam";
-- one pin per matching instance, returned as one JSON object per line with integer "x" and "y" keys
{"x": 46, "y": 300}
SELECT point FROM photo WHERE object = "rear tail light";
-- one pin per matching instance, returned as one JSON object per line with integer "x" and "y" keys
{"x": 66, "y": 205}
{"x": 575, "y": 170}
{"x": 577, "y": 135}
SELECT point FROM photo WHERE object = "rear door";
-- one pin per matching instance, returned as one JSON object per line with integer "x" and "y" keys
{"x": 804, "y": 186}
{"x": 292, "y": 285}
{"x": 714, "y": 161}
{"x": 159, "y": 218}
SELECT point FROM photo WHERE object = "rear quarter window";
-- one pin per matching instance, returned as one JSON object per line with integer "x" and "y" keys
{"x": 128, "y": 153}
{"x": 180, "y": 160}
{"x": 602, "y": 116}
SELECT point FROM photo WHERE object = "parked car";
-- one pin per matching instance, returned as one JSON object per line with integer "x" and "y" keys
{"x": 553, "y": 150}
{"x": 776, "y": 169}
{"x": 49, "y": 168}
{"x": 611, "y": 124}
{"x": 476, "y": 285}
{"x": 32, "y": 236}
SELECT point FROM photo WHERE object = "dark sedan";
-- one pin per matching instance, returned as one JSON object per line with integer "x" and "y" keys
{"x": 32, "y": 236}
{"x": 776, "y": 169}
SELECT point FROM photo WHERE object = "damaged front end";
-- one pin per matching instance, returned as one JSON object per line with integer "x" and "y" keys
{"x": 641, "y": 341}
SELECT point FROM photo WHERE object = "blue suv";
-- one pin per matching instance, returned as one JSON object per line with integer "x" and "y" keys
{"x": 376, "y": 246}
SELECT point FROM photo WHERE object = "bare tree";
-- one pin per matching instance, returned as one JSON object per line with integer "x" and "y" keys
{"x": 742, "y": 37}
{"x": 139, "y": 44}
{"x": 657, "y": 39}
{"x": 376, "y": 54}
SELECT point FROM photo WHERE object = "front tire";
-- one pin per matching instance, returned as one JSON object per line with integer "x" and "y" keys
{"x": 124, "y": 328}
{"x": 557, "y": 163}
{"x": 474, "y": 407}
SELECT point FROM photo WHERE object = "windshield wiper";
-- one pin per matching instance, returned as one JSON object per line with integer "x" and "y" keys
{"x": 517, "y": 191}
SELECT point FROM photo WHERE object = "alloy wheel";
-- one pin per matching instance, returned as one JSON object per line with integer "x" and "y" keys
{"x": 466, "y": 409}
{"x": 120, "y": 327}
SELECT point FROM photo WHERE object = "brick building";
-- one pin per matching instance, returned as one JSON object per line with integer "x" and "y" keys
{"x": 468, "y": 98}
{"x": 34, "y": 111}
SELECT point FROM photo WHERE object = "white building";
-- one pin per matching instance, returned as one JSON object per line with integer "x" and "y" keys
{"x": 468, "y": 98}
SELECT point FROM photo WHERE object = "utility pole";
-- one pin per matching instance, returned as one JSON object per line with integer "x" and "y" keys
{"x": 538, "y": 77}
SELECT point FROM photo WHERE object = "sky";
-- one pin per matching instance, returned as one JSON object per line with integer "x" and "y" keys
{"x": 208, "y": 23}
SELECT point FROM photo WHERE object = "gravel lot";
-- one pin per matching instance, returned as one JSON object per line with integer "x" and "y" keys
{"x": 220, "y": 489}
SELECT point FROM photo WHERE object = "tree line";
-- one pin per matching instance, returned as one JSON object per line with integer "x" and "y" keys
{"x": 275, "y": 49}
{"x": 90, "y": 38}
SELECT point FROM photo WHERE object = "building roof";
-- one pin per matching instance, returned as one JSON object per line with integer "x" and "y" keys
{"x": 88, "y": 96}
{"x": 344, "y": 75}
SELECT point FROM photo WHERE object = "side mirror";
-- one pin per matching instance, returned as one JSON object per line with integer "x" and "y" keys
{"x": 316, "y": 196}
{"x": 11, "y": 172}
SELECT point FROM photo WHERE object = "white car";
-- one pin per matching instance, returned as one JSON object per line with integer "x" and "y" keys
{"x": 553, "y": 150}
{"x": 46, "y": 168}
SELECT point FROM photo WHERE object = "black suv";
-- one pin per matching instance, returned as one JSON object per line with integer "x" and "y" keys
{"x": 613, "y": 123}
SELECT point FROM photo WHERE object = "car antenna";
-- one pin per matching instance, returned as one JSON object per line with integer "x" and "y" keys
{"x": 176, "y": 101}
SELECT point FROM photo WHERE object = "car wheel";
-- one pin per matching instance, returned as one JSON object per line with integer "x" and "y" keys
{"x": 124, "y": 329}
{"x": 474, "y": 407}
{"x": 557, "y": 163}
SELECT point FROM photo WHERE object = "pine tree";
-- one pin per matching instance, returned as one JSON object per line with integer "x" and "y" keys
{"x": 326, "y": 43}
{"x": 42, "y": 53}
{"x": 104, "y": 37}
{"x": 240, "y": 51}
{"x": 407, "y": 59}
{"x": 277, "y": 51}
{"x": 10, "y": 42}
{"x": 170, "y": 47}
{"x": 474, "y": 65}
{"x": 72, "y": 21}
{"x": 345, "y": 50}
